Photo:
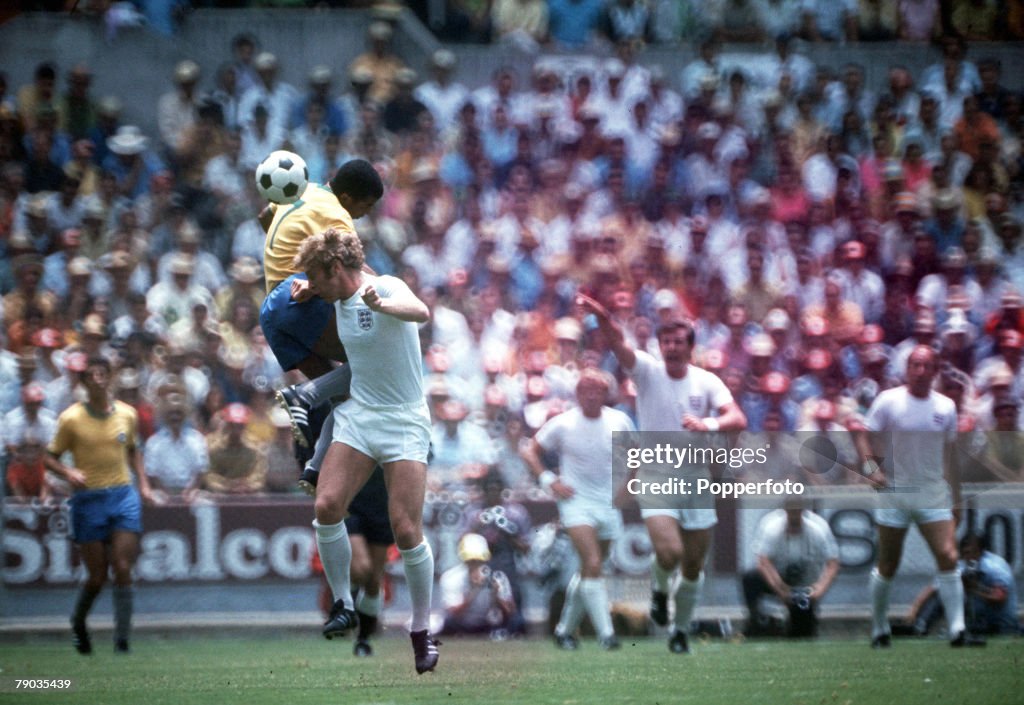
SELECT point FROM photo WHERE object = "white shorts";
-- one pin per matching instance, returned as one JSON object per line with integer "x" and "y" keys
{"x": 693, "y": 512}
{"x": 691, "y": 519}
{"x": 898, "y": 510}
{"x": 386, "y": 434}
{"x": 581, "y": 512}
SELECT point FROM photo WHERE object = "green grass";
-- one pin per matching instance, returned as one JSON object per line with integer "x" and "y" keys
{"x": 292, "y": 671}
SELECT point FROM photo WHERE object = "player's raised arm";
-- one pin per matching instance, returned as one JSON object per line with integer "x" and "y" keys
{"x": 616, "y": 339}
{"x": 402, "y": 303}
{"x": 266, "y": 217}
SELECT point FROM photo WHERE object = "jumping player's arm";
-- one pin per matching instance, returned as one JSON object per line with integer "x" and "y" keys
{"x": 400, "y": 303}
{"x": 613, "y": 334}
{"x": 266, "y": 217}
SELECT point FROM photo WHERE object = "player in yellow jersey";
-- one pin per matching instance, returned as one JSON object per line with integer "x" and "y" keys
{"x": 106, "y": 514}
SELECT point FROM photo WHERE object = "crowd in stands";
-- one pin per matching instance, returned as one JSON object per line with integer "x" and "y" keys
{"x": 814, "y": 227}
{"x": 578, "y": 24}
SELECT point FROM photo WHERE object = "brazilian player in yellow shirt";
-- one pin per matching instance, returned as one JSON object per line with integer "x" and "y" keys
{"x": 101, "y": 434}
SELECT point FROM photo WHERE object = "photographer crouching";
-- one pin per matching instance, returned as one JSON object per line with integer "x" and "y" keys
{"x": 477, "y": 599}
{"x": 797, "y": 561}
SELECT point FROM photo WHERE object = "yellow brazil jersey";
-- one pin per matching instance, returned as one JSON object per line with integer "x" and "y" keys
{"x": 99, "y": 445}
{"x": 315, "y": 212}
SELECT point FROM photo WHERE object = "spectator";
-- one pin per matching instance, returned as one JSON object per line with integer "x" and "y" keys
{"x": 477, "y": 599}
{"x": 442, "y": 96}
{"x": 333, "y": 115}
{"x": 975, "y": 20}
{"x": 236, "y": 465}
{"x": 26, "y": 474}
{"x": 797, "y": 561}
{"x": 29, "y": 423}
{"x": 877, "y": 21}
{"x": 177, "y": 109}
{"x": 176, "y": 458}
{"x": 574, "y": 23}
{"x": 276, "y": 97}
{"x": 380, "y": 62}
{"x": 130, "y": 161}
{"x": 828, "y": 21}
{"x": 920, "y": 20}
{"x": 521, "y": 23}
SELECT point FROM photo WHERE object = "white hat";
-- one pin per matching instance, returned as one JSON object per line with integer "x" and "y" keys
{"x": 473, "y": 547}
{"x": 265, "y": 61}
{"x": 380, "y": 30}
{"x": 186, "y": 71}
{"x": 128, "y": 140}
{"x": 709, "y": 131}
{"x": 320, "y": 74}
{"x": 614, "y": 68}
{"x": 665, "y": 298}
{"x": 444, "y": 59}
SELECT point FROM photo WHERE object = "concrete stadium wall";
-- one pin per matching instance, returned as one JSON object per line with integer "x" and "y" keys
{"x": 136, "y": 65}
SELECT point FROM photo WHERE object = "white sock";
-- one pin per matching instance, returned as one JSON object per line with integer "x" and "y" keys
{"x": 320, "y": 390}
{"x": 419, "y": 574}
{"x": 660, "y": 577}
{"x": 595, "y": 597}
{"x": 323, "y": 442}
{"x": 951, "y": 593}
{"x": 880, "y": 588}
{"x": 686, "y": 600}
{"x": 336, "y": 557}
{"x": 370, "y": 606}
{"x": 572, "y": 609}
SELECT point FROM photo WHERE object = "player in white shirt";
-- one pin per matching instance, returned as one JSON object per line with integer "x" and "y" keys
{"x": 673, "y": 395}
{"x": 384, "y": 421}
{"x": 582, "y": 438}
{"x": 907, "y": 453}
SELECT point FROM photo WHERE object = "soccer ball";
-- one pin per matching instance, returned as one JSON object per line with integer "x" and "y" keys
{"x": 282, "y": 177}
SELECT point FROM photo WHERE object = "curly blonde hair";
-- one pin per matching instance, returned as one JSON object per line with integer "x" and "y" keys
{"x": 323, "y": 250}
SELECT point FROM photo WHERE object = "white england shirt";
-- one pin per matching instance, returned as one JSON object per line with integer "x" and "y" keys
{"x": 661, "y": 400}
{"x": 584, "y": 447}
{"x": 383, "y": 351}
{"x": 919, "y": 430}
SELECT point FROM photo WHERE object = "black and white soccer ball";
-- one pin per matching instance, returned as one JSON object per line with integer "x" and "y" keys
{"x": 282, "y": 177}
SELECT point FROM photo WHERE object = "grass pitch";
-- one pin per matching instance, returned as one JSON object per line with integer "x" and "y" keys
{"x": 293, "y": 671}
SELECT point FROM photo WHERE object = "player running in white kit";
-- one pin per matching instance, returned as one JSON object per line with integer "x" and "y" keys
{"x": 907, "y": 455}
{"x": 675, "y": 396}
{"x": 582, "y": 439}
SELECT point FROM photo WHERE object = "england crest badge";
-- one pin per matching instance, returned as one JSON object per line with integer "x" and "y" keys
{"x": 364, "y": 317}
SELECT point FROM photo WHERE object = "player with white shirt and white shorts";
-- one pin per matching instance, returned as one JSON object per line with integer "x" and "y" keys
{"x": 384, "y": 421}
{"x": 675, "y": 396}
{"x": 582, "y": 439}
{"x": 907, "y": 454}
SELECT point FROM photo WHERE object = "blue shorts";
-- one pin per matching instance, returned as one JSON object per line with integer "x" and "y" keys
{"x": 292, "y": 328}
{"x": 96, "y": 514}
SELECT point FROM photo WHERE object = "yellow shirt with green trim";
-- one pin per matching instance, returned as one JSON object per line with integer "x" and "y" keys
{"x": 315, "y": 212}
{"x": 100, "y": 445}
